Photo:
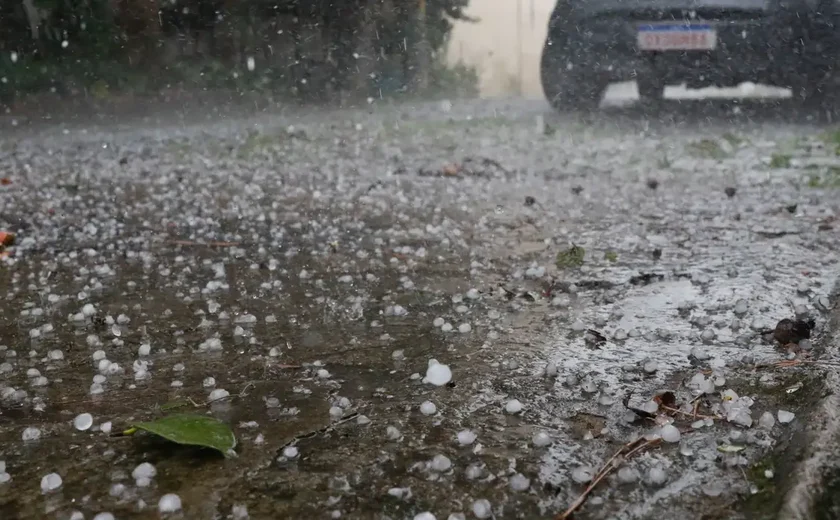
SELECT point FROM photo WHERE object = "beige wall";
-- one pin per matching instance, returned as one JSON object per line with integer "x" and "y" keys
{"x": 491, "y": 44}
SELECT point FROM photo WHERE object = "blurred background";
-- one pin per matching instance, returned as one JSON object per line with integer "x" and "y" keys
{"x": 314, "y": 51}
{"x": 505, "y": 46}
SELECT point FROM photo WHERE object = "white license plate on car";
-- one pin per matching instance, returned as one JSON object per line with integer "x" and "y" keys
{"x": 676, "y": 37}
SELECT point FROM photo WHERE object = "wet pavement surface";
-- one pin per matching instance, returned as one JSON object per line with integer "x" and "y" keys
{"x": 296, "y": 275}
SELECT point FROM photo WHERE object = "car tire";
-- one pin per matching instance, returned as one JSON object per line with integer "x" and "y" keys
{"x": 568, "y": 89}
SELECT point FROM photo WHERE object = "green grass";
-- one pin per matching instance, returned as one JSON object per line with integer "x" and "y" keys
{"x": 733, "y": 139}
{"x": 780, "y": 160}
{"x": 706, "y": 149}
{"x": 826, "y": 179}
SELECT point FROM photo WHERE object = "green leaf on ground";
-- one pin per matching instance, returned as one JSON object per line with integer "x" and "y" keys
{"x": 193, "y": 430}
{"x": 571, "y": 258}
{"x": 611, "y": 256}
{"x": 778, "y": 160}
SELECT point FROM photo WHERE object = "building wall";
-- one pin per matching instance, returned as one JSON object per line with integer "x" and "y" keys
{"x": 492, "y": 44}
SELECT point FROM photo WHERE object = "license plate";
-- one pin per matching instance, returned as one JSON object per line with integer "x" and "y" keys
{"x": 677, "y": 37}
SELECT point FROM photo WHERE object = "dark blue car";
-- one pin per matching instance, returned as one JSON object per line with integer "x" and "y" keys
{"x": 591, "y": 43}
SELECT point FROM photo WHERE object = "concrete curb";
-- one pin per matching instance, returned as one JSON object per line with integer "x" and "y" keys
{"x": 808, "y": 484}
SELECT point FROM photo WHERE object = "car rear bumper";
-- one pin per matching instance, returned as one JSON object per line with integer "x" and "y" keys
{"x": 760, "y": 48}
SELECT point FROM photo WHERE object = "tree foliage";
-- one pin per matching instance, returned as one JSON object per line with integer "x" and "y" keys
{"x": 327, "y": 46}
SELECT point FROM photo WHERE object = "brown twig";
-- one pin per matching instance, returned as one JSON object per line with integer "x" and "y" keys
{"x": 627, "y": 451}
{"x": 695, "y": 414}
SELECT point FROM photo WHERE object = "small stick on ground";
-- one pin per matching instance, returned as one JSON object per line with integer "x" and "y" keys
{"x": 627, "y": 451}
{"x": 695, "y": 414}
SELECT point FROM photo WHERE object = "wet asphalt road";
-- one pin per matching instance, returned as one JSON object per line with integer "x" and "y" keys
{"x": 312, "y": 264}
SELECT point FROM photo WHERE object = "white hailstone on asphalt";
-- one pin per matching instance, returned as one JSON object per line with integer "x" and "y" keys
{"x": 169, "y": 503}
{"x": 428, "y": 408}
{"x": 785, "y": 416}
{"x": 105, "y": 427}
{"x": 336, "y": 412}
{"x": 104, "y": 516}
{"x": 400, "y": 493}
{"x": 670, "y": 433}
{"x": 740, "y": 307}
{"x": 424, "y": 516}
{"x": 438, "y": 322}
{"x": 767, "y": 421}
{"x": 56, "y": 355}
{"x": 446, "y": 327}
{"x": 117, "y": 490}
{"x": 88, "y": 310}
{"x": 550, "y": 369}
{"x": 627, "y": 475}
{"x": 362, "y": 420}
{"x": 144, "y": 473}
{"x": 650, "y": 406}
{"x": 323, "y": 373}
{"x": 466, "y": 437}
{"x": 541, "y": 439}
{"x": 392, "y": 433}
{"x": 513, "y": 406}
{"x": 583, "y": 474}
{"x": 290, "y": 452}
{"x": 464, "y": 328}
{"x": 218, "y": 394}
{"x": 50, "y": 483}
{"x": 650, "y": 366}
{"x": 83, "y": 422}
{"x": 699, "y": 354}
{"x": 519, "y": 482}
{"x": 103, "y": 366}
{"x": 698, "y": 424}
{"x": 144, "y": 350}
{"x": 482, "y": 509}
{"x": 398, "y": 355}
{"x": 438, "y": 374}
{"x": 209, "y": 382}
{"x": 440, "y": 463}
{"x": 473, "y": 294}
{"x": 474, "y": 471}
{"x": 31, "y": 434}
{"x": 5, "y": 477}
{"x": 656, "y": 476}
{"x": 589, "y": 386}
